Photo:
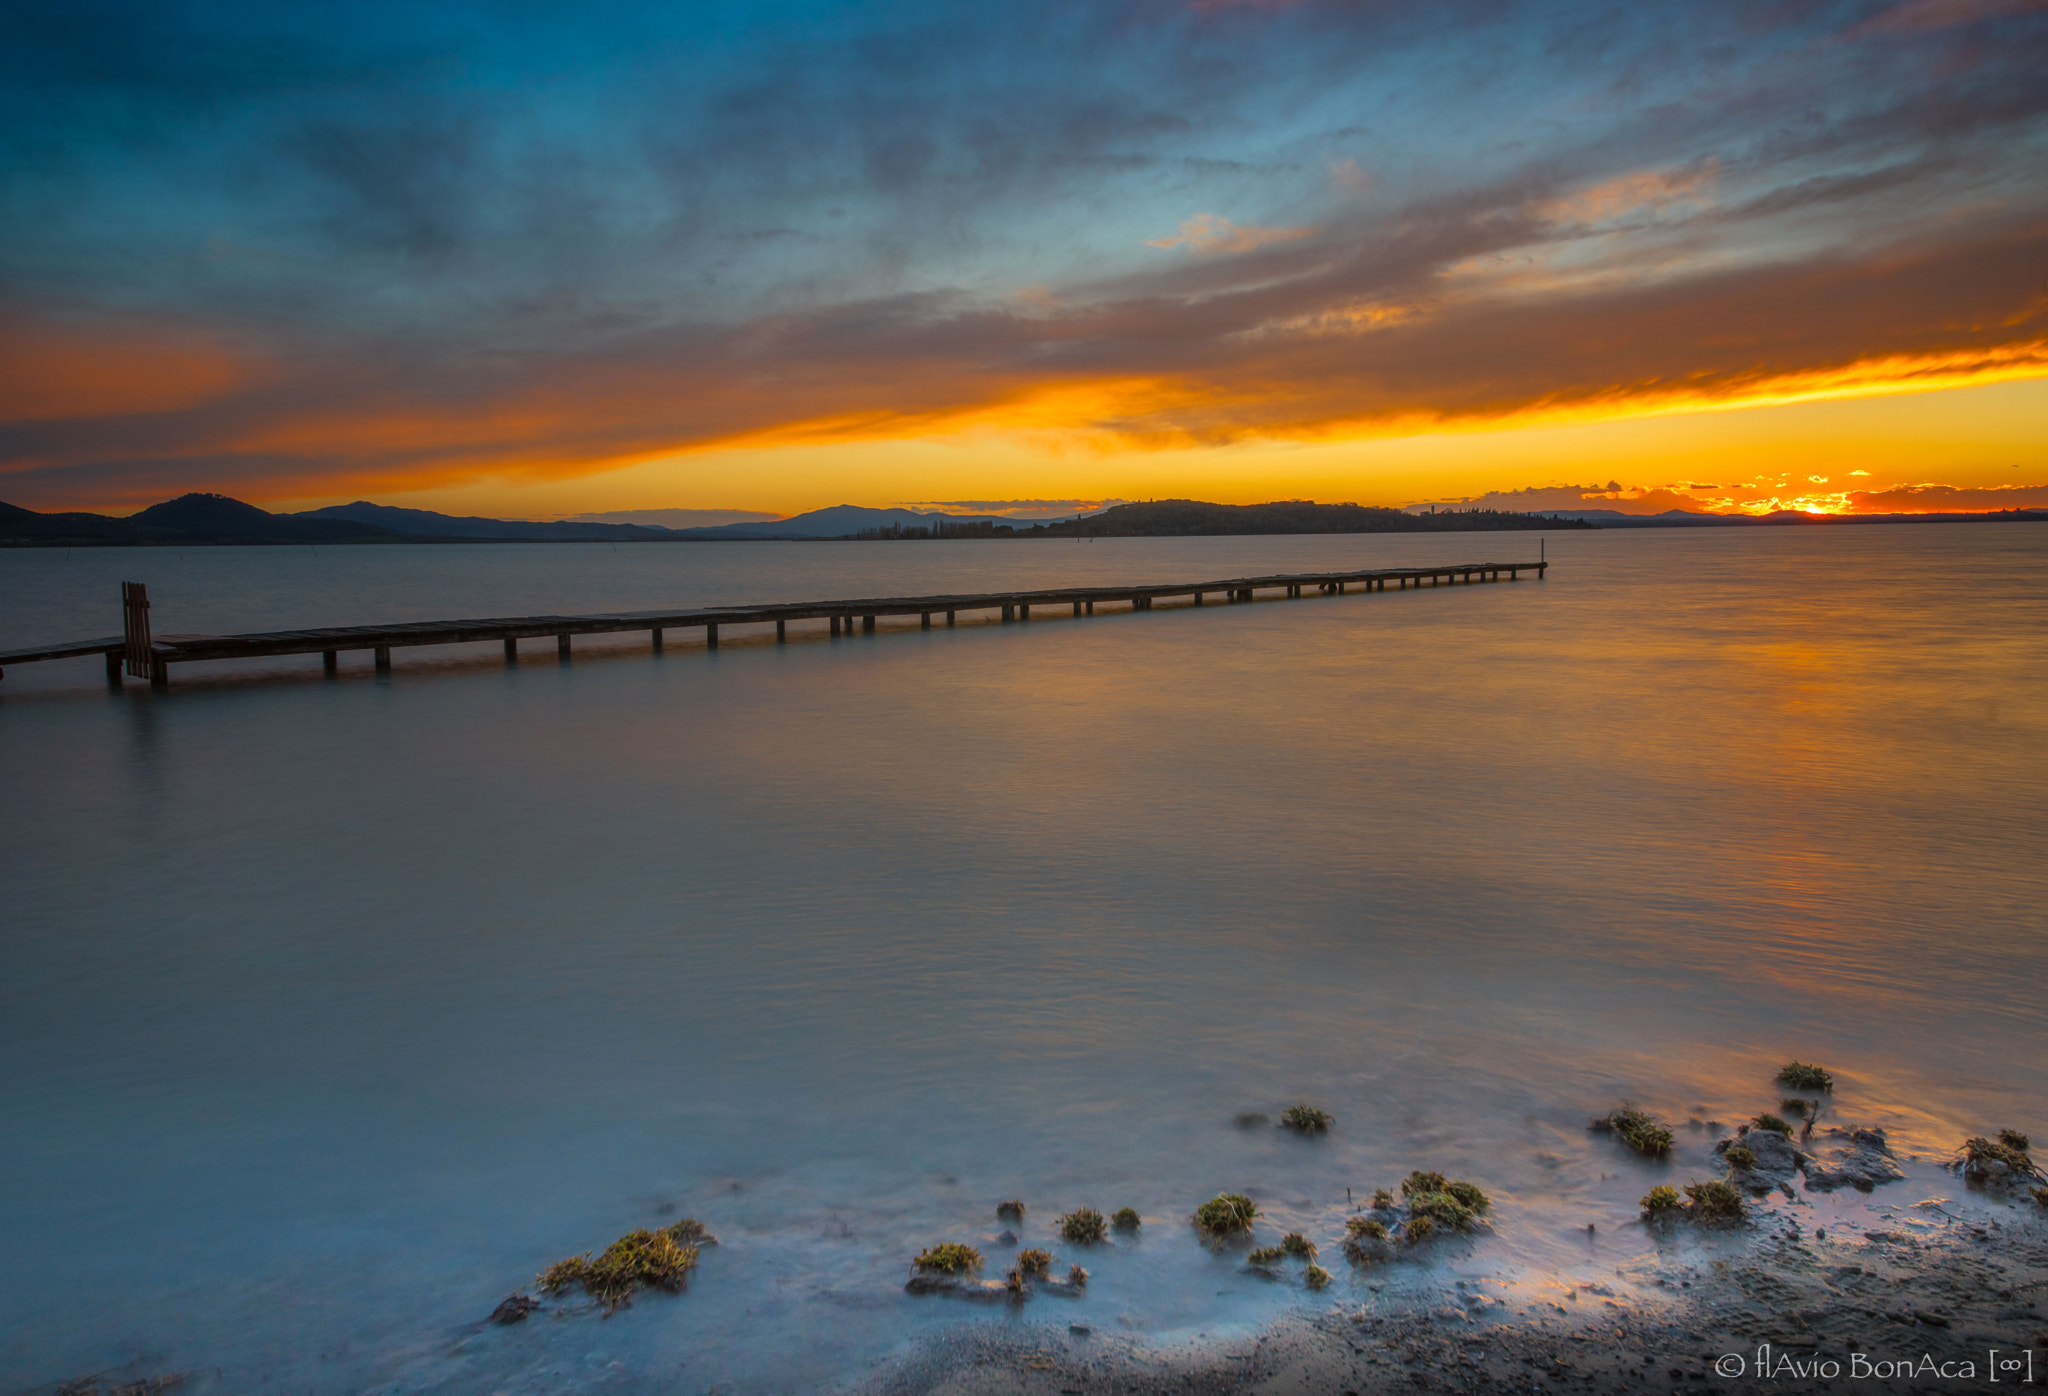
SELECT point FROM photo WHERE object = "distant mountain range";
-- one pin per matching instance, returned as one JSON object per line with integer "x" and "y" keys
{"x": 217, "y": 519}
{"x": 1179, "y": 518}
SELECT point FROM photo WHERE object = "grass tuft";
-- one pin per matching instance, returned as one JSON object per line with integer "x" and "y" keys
{"x": 2010, "y": 1148}
{"x": 948, "y": 1258}
{"x": 1419, "y": 1182}
{"x": 1660, "y": 1200}
{"x": 1804, "y": 1076}
{"x": 1714, "y": 1201}
{"x": 1419, "y": 1228}
{"x": 1315, "y": 1276}
{"x": 1774, "y": 1123}
{"x": 1126, "y": 1219}
{"x": 1637, "y": 1130}
{"x": 1225, "y": 1214}
{"x": 1035, "y": 1264}
{"x": 1369, "y": 1228}
{"x": 1266, "y": 1255}
{"x": 1083, "y": 1226}
{"x": 1382, "y": 1200}
{"x": 1013, "y": 1210}
{"x": 1305, "y": 1119}
{"x": 1740, "y": 1156}
{"x": 1298, "y": 1245}
{"x": 1077, "y": 1277}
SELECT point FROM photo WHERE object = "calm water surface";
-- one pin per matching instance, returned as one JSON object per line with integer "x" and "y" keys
{"x": 330, "y": 1011}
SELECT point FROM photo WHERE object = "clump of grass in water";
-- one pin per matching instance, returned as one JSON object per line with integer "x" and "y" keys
{"x": 1794, "y": 1106}
{"x": 1226, "y": 1214}
{"x": 1266, "y": 1255}
{"x": 1382, "y": 1200}
{"x": 1315, "y": 1276}
{"x": 1637, "y": 1130}
{"x": 1250, "y": 1119}
{"x": 1083, "y": 1226}
{"x": 1418, "y": 1229}
{"x": 1298, "y": 1245}
{"x": 564, "y": 1275}
{"x": 1077, "y": 1277}
{"x": 1126, "y": 1219}
{"x": 2011, "y": 1149}
{"x": 1804, "y": 1076}
{"x": 639, "y": 1259}
{"x": 2041, "y": 1197}
{"x": 1661, "y": 1201}
{"x": 948, "y": 1258}
{"x": 1444, "y": 1204}
{"x": 1365, "y": 1228}
{"x": 1714, "y": 1201}
{"x": 1305, "y": 1119}
{"x": 1775, "y": 1124}
{"x": 1740, "y": 1156}
{"x": 1012, "y": 1210}
{"x": 1035, "y": 1264}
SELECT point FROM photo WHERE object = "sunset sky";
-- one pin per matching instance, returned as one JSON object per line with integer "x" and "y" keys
{"x": 536, "y": 260}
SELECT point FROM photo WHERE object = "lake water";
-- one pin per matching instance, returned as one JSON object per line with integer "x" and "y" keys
{"x": 332, "y": 1010}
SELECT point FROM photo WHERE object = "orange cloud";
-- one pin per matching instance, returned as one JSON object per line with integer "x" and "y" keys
{"x": 1650, "y": 190}
{"x": 1933, "y": 499}
{"x": 51, "y": 371}
{"x": 1207, "y": 234}
{"x": 1309, "y": 342}
{"x": 1915, "y": 16}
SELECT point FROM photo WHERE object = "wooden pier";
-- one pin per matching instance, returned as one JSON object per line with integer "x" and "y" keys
{"x": 140, "y": 653}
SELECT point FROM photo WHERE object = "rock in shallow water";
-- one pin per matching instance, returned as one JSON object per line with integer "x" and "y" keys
{"x": 1777, "y": 1160}
{"x": 1860, "y": 1160}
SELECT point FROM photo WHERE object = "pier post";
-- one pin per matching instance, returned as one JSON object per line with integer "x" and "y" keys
{"x": 1077, "y": 608}
{"x": 654, "y": 637}
{"x": 1198, "y": 598}
{"x": 1009, "y": 612}
{"x": 562, "y": 647}
{"x": 711, "y": 637}
{"x": 1091, "y": 608}
{"x": 382, "y": 655}
{"x": 511, "y": 651}
{"x": 867, "y": 625}
{"x": 160, "y": 673}
{"x": 781, "y": 631}
{"x": 330, "y": 663}
{"x": 1024, "y": 612}
{"x": 835, "y": 627}
{"x": 113, "y": 668}
{"x": 924, "y": 620}
{"x": 949, "y": 618}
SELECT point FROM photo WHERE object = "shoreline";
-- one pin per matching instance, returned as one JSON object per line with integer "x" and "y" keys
{"x": 1908, "y": 1296}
